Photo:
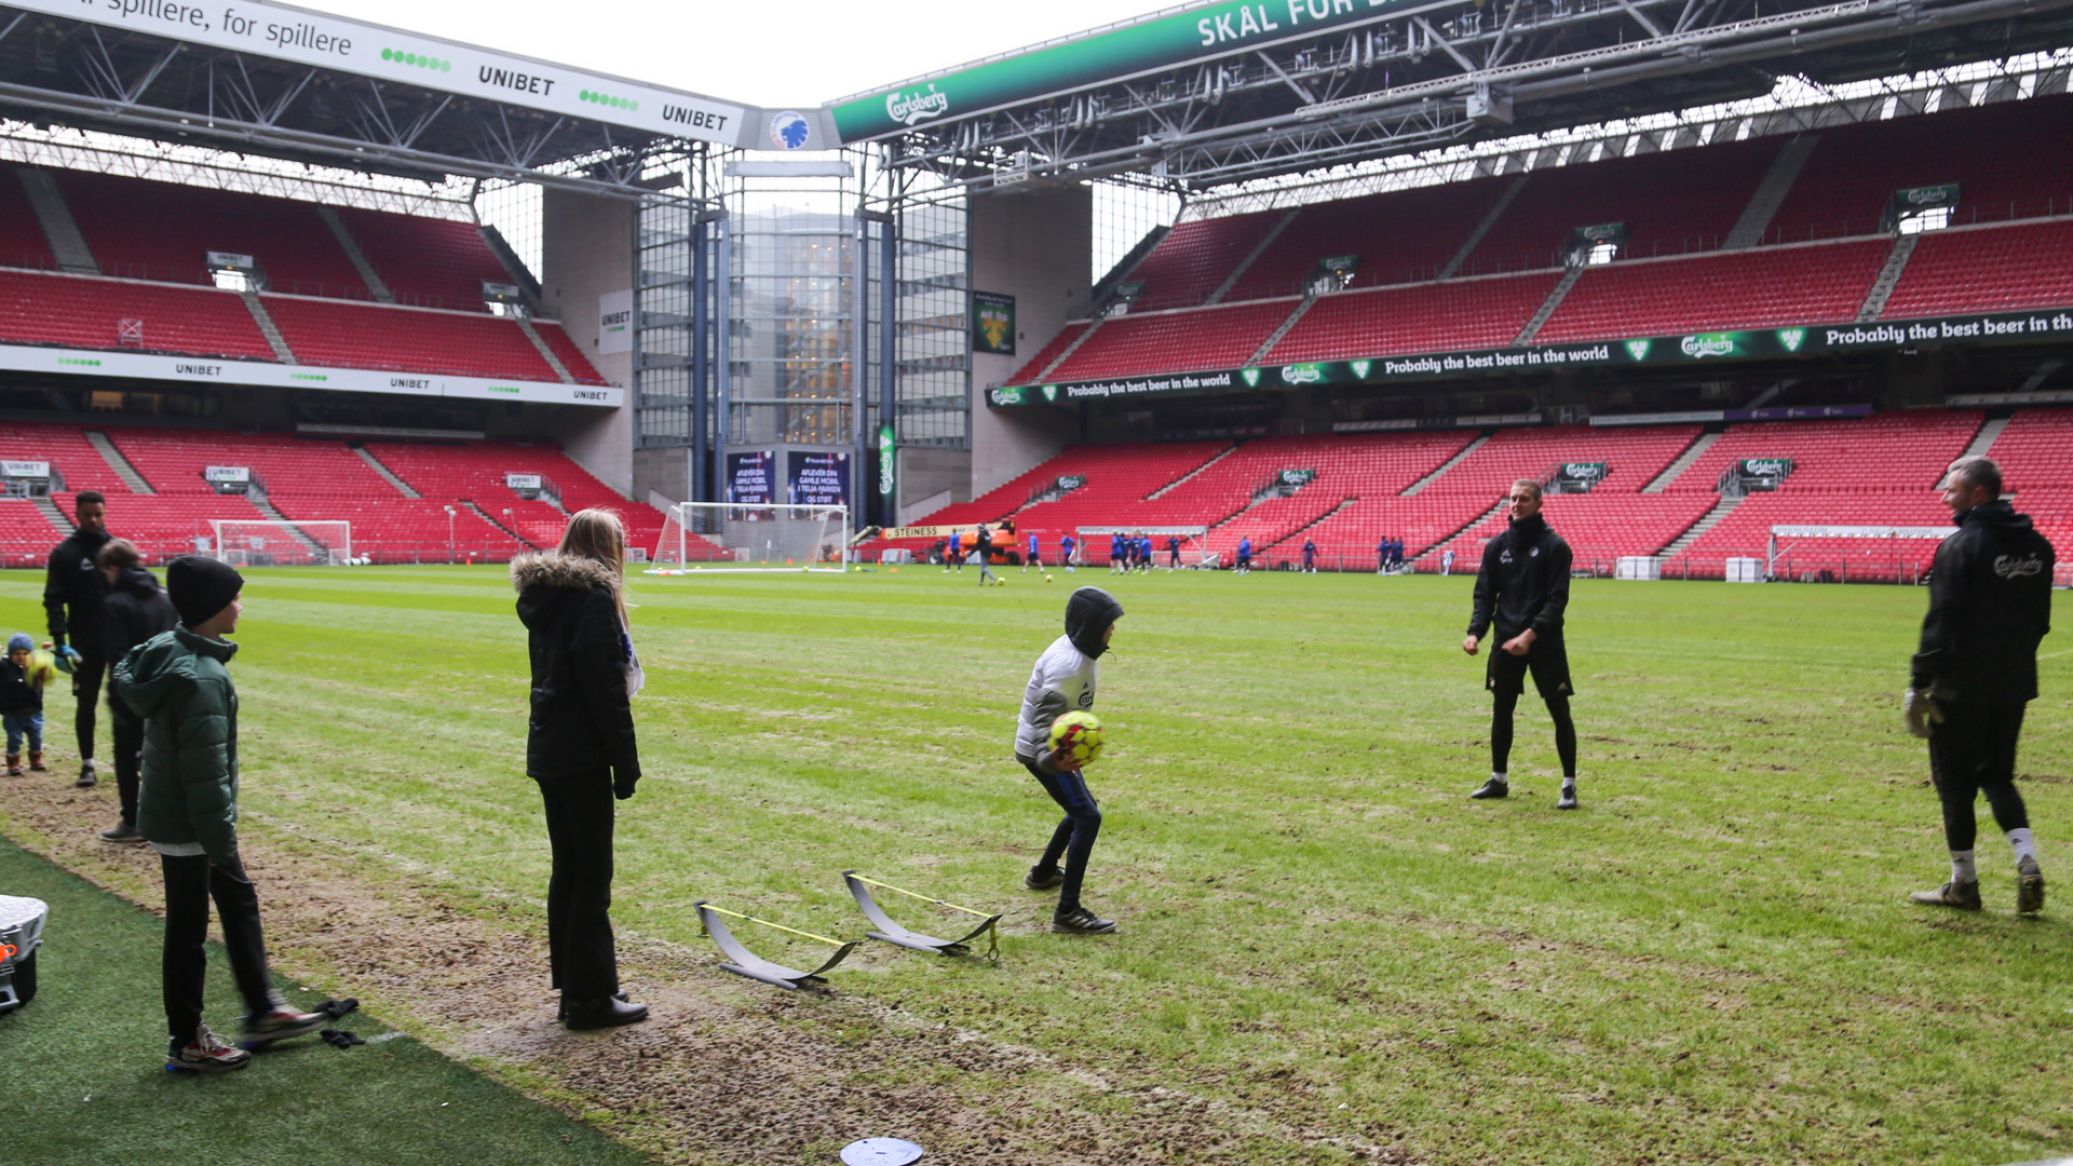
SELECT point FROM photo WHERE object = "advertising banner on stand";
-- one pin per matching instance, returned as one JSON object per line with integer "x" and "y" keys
{"x": 750, "y": 477}
{"x": 993, "y": 323}
{"x": 816, "y": 479}
{"x": 2041, "y": 325}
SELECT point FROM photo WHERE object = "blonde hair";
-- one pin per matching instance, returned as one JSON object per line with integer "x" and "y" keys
{"x": 598, "y": 535}
{"x": 1530, "y": 484}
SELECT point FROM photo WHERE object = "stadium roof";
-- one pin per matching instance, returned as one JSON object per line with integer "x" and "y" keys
{"x": 1226, "y": 91}
{"x": 271, "y": 79}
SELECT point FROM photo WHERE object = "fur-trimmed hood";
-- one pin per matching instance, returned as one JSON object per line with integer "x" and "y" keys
{"x": 561, "y": 572}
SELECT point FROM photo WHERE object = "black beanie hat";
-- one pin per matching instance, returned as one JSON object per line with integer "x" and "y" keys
{"x": 201, "y": 587}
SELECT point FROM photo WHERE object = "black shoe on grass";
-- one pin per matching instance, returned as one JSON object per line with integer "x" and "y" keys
{"x": 1963, "y": 896}
{"x": 1494, "y": 788}
{"x": 2029, "y": 887}
{"x": 1043, "y": 878}
{"x": 1080, "y": 921}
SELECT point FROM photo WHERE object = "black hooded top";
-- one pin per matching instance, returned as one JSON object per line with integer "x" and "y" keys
{"x": 1088, "y": 615}
{"x": 1524, "y": 582}
{"x": 1989, "y": 605}
{"x": 73, "y": 586}
{"x": 136, "y": 609}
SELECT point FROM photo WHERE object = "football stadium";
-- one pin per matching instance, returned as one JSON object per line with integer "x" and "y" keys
{"x": 521, "y": 587}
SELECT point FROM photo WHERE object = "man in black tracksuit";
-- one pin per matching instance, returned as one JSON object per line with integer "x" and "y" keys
{"x": 72, "y": 592}
{"x": 1989, "y": 605}
{"x": 1523, "y": 589}
{"x": 136, "y": 609}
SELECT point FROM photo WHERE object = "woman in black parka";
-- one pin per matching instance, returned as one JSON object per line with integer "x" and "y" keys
{"x": 580, "y": 749}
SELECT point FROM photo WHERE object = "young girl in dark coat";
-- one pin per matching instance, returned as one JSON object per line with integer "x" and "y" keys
{"x": 580, "y": 749}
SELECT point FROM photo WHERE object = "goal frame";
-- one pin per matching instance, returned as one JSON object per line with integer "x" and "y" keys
{"x": 1797, "y": 531}
{"x": 732, "y": 526}
{"x": 336, "y": 554}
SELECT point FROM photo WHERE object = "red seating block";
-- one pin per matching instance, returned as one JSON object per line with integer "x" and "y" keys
{"x": 438, "y": 263}
{"x": 406, "y": 340}
{"x": 1746, "y": 289}
{"x": 85, "y": 312}
{"x": 1994, "y": 269}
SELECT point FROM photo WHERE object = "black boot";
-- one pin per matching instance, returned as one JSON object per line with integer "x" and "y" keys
{"x": 561, "y": 1010}
{"x": 603, "y": 1013}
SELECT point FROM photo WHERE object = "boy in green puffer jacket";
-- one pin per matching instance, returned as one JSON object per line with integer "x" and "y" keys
{"x": 188, "y": 810}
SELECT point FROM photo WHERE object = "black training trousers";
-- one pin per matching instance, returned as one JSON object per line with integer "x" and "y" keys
{"x": 190, "y": 883}
{"x": 129, "y": 754}
{"x": 1973, "y": 752}
{"x": 580, "y": 952}
{"x": 1074, "y": 837}
{"x": 86, "y": 689}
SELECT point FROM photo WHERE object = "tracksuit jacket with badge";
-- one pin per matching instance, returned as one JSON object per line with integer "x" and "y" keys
{"x": 72, "y": 582}
{"x": 1524, "y": 582}
{"x": 1989, "y": 605}
{"x": 1065, "y": 675}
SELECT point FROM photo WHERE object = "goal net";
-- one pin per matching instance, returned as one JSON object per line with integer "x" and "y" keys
{"x": 261, "y": 543}
{"x": 1802, "y": 550}
{"x": 762, "y": 537}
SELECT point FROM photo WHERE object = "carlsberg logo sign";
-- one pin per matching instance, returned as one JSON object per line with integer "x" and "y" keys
{"x": 1709, "y": 344}
{"x": 1582, "y": 470}
{"x": 1301, "y": 374}
{"x": 1766, "y": 467}
{"x": 912, "y": 108}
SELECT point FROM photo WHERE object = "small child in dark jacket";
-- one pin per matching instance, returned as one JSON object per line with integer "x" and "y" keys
{"x": 136, "y": 609}
{"x": 188, "y": 810}
{"x": 21, "y": 703}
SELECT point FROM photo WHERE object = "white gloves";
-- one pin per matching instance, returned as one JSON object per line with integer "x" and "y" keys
{"x": 1920, "y": 712}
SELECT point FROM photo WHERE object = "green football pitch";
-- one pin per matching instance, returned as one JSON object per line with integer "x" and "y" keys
{"x": 1328, "y": 953}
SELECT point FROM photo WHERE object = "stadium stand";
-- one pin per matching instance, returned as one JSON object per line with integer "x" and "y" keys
{"x": 1745, "y": 532}
{"x": 405, "y": 339}
{"x": 84, "y": 312}
{"x": 1633, "y": 457}
{"x": 1458, "y": 314}
{"x": 26, "y": 535}
{"x": 1196, "y": 257}
{"x": 173, "y": 461}
{"x": 1824, "y": 284}
{"x": 1991, "y": 269}
{"x": 436, "y": 263}
{"x": 1399, "y": 238}
{"x": 1029, "y": 372}
{"x": 78, "y": 464}
{"x": 1205, "y": 338}
{"x": 163, "y": 231}
{"x": 1670, "y": 203}
{"x": 2009, "y": 158}
{"x": 1599, "y": 527}
{"x": 21, "y": 236}
{"x": 1892, "y": 453}
{"x": 565, "y": 350}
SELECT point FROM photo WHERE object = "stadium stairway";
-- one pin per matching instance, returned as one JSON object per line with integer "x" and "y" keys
{"x": 1243, "y": 265}
{"x": 315, "y": 549}
{"x": 1684, "y": 461}
{"x": 547, "y": 354}
{"x": 1259, "y": 355}
{"x": 1889, "y": 278}
{"x": 1439, "y": 546}
{"x": 60, "y": 229}
{"x": 268, "y": 328}
{"x": 1475, "y": 237}
{"x": 345, "y": 239}
{"x": 1770, "y": 194}
{"x": 484, "y": 515}
{"x": 1721, "y": 509}
{"x": 59, "y": 520}
{"x": 402, "y": 486}
{"x": 1450, "y": 463}
{"x": 120, "y": 464}
{"x": 1984, "y": 439}
{"x": 1065, "y": 354}
{"x": 1547, "y": 308}
{"x": 1175, "y": 484}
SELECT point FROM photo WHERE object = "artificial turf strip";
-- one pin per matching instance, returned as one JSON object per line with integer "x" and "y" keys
{"x": 86, "y": 1086}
